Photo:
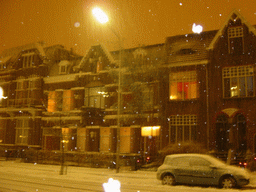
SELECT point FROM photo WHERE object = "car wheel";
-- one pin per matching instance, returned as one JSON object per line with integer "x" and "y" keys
{"x": 228, "y": 182}
{"x": 168, "y": 180}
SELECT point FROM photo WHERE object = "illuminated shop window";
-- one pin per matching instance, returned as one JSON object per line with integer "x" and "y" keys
{"x": 183, "y": 85}
{"x": 182, "y": 128}
{"x": 238, "y": 81}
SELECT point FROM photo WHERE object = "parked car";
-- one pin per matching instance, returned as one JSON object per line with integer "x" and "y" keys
{"x": 199, "y": 169}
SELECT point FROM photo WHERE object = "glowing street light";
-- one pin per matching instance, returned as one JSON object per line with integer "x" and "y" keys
{"x": 103, "y": 18}
{"x": 100, "y": 15}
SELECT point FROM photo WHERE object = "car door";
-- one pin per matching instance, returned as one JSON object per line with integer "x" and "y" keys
{"x": 181, "y": 169}
{"x": 201, "y": 171}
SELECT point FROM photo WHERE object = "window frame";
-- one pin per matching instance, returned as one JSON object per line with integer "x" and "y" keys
{"x": 186, "y": 79}
{"x": 99, "y": 97}
{"x": 235, "y": 74}
{"x": 235, "y": 33}
{"x": 23, "y": 126}
{"x": 28, "y": 59}
{"x": 182, "y": 122}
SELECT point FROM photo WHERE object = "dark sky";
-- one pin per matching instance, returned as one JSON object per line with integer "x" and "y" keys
{"x": 139, "y": 22}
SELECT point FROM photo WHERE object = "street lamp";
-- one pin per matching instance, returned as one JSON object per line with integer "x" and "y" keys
{"x": 103, "y": 18}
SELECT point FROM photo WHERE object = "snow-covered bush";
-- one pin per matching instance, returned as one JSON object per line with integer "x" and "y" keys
{"x": 183, "y": 147}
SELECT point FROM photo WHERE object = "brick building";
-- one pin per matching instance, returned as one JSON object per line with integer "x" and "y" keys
{"x": 194, "y": 87}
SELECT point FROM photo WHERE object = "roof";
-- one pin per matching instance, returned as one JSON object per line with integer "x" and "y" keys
{"x": 188, "y": 48}
{"x": 233, "y": 16}
{"x": 17, "y": 50}
{"x": 87, "y": 55}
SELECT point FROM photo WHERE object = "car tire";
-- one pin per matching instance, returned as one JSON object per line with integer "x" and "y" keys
{"x": 228, "y": 182}
{"x": 168, "y": 180}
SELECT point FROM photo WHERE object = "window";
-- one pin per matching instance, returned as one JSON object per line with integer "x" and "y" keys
{"x": 183, "y": 85}
{"x": 22, "y": 129}
{"x": 28, "y": 60}
{"x": 63, "y": 66}
{"x": 235, "y": 40}
{"x": 197, "y": 161}
{"x": 148, "y": 97}
{"x": 182, "y": 128}
{"x": 179, "y": 162}
{"x": 238, "y": 81}
{"x": 95, "y": 97}
{"x": 63, "y": 69}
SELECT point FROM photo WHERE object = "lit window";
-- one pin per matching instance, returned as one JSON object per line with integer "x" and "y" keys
{"x": 95, "y": 97}
{"x": 22, "y": 129}
{"x": 182, "y": 128}
{"x": 238, "y": 81}
{"x": 183, "y": 85}
{"x": 235, "y": 40}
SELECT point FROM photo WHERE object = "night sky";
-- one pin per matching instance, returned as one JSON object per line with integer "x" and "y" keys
{"x": 138, "y": 22}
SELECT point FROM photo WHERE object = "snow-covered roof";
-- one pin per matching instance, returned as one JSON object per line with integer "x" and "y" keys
{"x": 5, "y": 59}
{"x": 60, "y": 78}
{"x": 86, "y": 56}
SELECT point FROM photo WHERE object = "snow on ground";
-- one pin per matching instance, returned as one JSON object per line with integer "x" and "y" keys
{"x": 100, "y": 174}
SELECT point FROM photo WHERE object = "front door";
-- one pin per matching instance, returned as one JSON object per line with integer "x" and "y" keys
{"x": 222, "y": 133}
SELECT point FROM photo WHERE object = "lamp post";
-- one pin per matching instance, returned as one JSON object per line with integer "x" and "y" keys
{"x": 103, "y": 18}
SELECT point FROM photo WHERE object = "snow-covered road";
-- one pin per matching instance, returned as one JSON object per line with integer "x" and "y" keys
{"x": 18, "y": 176}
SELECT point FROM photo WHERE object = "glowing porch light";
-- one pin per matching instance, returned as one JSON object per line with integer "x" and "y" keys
{"x": 197, "y": 28}
{"x": 150, "y": 131}
{"x": 100, "y": 15}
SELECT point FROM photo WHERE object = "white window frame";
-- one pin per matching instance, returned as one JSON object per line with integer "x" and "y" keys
{"x": 182, "y": 121}
{"x": 238, "y": 72}
{"x": 235, "y": 32}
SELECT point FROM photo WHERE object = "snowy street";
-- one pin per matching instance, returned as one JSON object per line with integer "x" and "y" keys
{"x": 16, "y": 176}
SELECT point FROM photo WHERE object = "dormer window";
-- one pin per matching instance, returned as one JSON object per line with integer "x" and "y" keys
{"x": 63, "y": 67}
{"x": 236, "y": 40}
{"x": 28, "y": 59}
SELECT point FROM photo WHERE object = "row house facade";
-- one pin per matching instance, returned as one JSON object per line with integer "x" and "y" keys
{"x": 211, "y": 81}
{"x": 193, "y": 87}
{"x": 21, "y": 79}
